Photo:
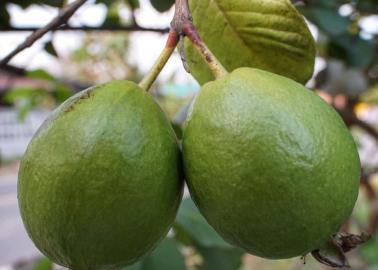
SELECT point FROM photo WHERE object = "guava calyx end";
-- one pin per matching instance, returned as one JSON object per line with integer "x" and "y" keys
{"x": 333, "y": 252}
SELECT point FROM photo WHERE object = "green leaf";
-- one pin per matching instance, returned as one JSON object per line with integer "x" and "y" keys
{"x": 345, "y": 42}
{"x": 40, "y": 74}
{"x": 134, "y": 4}
{"x": 26, "y": 3}
{"x": 105, "y": 2}
{"x": 43, "y": 264}
{"x": 49, "y": 47}
{"x": 4, "y": 15}
{"x": 53, "y": 3}
{"x": 136, "y": 266}
{"x": 56, "y": 92}
{"x": 270, "y": 35}
{"x": 166, "y": 256}
{"x": 80, "y": 55}
{"x": 326, "y": 3}
{"x": 355, "y": 51}
{"x": 23, "y": 3}
{"x": 194, "y": 224}
{"x": 24, "y": 108}
{"x": 191, "y": 228}
{"x": 220, "y": 258}
{"x": 61, "y": 93}
{"x": 26, "y": 98}
{"x": 21, "y": 93}
{"x": 367, "y": 6}
{"x": 182, "y": 236}
{"x": 369, "y": 250}
{"x": 112, "y": 19}
{"x": 328, "y": 20}
{"x": 162, "y": 5}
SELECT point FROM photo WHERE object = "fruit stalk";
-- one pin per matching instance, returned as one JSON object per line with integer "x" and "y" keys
{"x": 149, "y": 79}
{"x": 182, "y": 23}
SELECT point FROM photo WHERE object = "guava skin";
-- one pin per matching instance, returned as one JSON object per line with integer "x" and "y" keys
{"x": 101, "y": 181}
{"x": 270, "y": 165}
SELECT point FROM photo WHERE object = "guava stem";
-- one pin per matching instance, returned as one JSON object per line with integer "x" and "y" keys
{"x": 182, "y": 23}
{"x": 149, "y": 79}
{"x": 212, "y": 62}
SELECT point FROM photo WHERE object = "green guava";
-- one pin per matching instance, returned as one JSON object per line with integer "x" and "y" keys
{"x": 100, "y": 183}
{"x": 270, "y": 165}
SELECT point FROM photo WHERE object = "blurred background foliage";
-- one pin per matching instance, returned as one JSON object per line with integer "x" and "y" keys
{"x": 347, "y": 78}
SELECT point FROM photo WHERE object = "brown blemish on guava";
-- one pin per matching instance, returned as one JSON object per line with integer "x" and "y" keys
{"x": 86, "y": 95}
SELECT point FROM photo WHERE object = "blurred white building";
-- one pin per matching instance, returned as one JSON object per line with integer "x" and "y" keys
{"x": 15, "y": 134}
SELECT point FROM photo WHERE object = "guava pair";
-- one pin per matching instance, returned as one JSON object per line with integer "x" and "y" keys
{"x": 270, "y": 165}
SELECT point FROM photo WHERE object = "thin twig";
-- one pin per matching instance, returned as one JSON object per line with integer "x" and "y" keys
{"x": 63, "y": 16}
{"x": 13, "y": 70}
{"x": 128, "y": 28}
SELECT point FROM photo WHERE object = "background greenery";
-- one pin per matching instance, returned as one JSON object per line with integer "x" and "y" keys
{"x": 350, "y": 73}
